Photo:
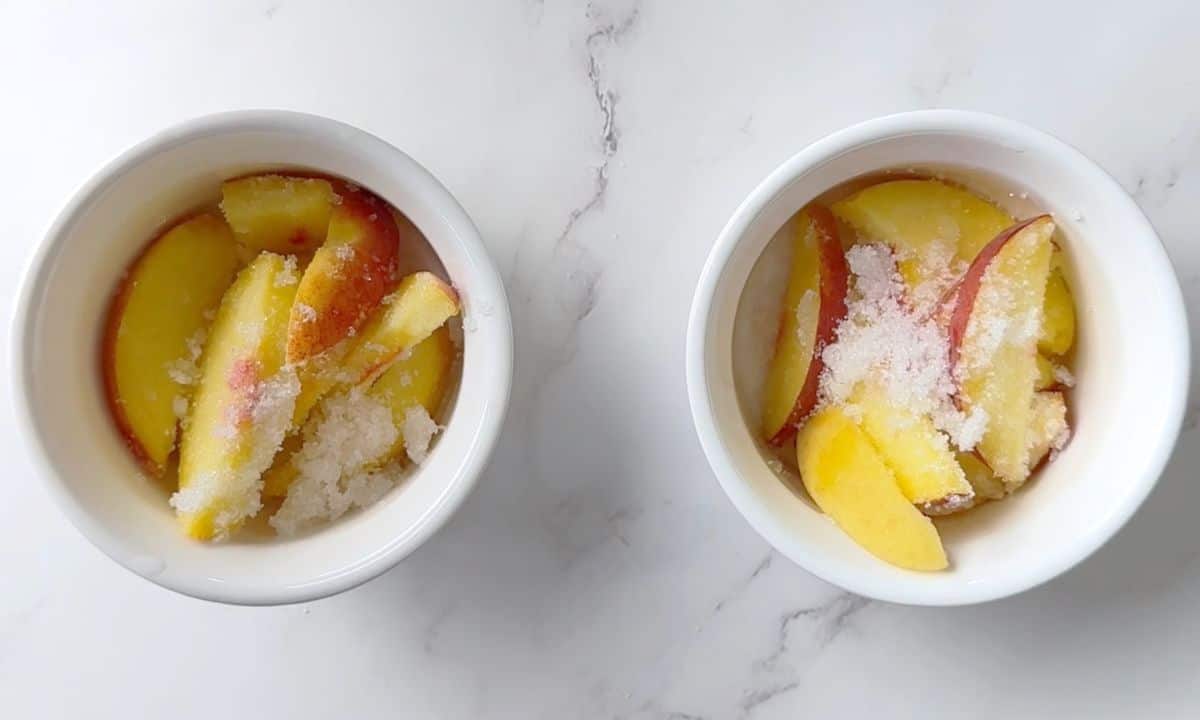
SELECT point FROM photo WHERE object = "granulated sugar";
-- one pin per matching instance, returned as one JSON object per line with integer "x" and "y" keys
{"x": 306, "y": 313}
{"x": 418, "y": 431}
{"x": 186, "y": 370}
{"x": 288, "y": 275}
{"x": 941, "y": 268}
{"x": 1063, "y": 376}
{"x": 179, "y": 406}
{"x": 348, "y": 433}
{"x": 995, "y": 320}
{"x": 886, "y": 340}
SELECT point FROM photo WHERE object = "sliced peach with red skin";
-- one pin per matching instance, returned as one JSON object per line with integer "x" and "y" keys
{"x": 814, "y": 304}
{"x": 279, "y": 213}
{"x": 421, "y": 303}
{"x": 242, "y": 406}
{"x": 348, "y": 277}
{"x": 156, "y": 321}
{"x": 993, "y": 332}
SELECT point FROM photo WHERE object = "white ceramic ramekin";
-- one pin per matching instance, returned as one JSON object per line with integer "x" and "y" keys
{"x": 60, "y": 396}
{"x": 1131, "y": 361}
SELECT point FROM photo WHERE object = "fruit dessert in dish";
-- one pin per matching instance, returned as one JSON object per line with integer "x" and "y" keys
{"x": 923, "y": 359}
{"x": 282, "y": 356}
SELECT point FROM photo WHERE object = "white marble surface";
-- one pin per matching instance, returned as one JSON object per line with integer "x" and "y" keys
{"x": 598, "y": 571}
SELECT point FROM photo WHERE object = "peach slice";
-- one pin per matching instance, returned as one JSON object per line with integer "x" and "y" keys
{"x": 279, "y": 213}
{"x": 993, "y": 333}
{"x": 242, "y": 407}
{"x": 983, "y": 482}
{"x": 419, "y": 377}
{"x": 918, "y": 454}
{"x": 850, "y": 482}
{"x": 155, "y": 331}
{"x": 348, "y": 276}
{"x": 814, "y": 305}
{"x": 1048, "y": 430}
{"x": 928, "y": 223}
{"x": 421, "y": 303}
{"x": 1058, "y": 316}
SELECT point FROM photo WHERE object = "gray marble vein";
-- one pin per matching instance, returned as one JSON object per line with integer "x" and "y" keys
{"x": 827, "y": 621}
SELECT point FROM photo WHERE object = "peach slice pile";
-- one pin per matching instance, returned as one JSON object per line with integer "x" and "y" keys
{"x": 238, "y": 371}
{"x": 922, "y": 361}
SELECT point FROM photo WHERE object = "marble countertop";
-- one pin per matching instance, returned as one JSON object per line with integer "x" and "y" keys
{"x": 598, "y": 571}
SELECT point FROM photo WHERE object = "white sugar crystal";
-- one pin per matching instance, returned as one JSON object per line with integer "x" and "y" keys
{"x": 418, "y": 431}
{"x": 965, "y": 429}
{"x": 806, "y": 308}
{"x": 348, "y": 433}
{"x": 882, "y": 339}
{"x": 1063, "y": 376}
{"x": 991, "y": 316}
{"x": 250, "y": 331}
{"x": 344, "y": 252}
{"x": 941, "y": 268}
{"x": 306, "y": 312}
{"x": 996, "y": 321}
{"x": 948, "y": 505}
{"x": 901, "y": 350}
{"x": 195, "y": 343}
{"x": 366, "y": 487}
{"x": 1061, "y": 438}
{"x": 1029, "y": 326}
{"x": 854, "y": 411}
{"x": 198, "y": 495}
{"x": 289, "y": 275}
{"x": 182, "y": 371}
{"x": 186, "y": 370}
{"x": 179, "y": 406}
